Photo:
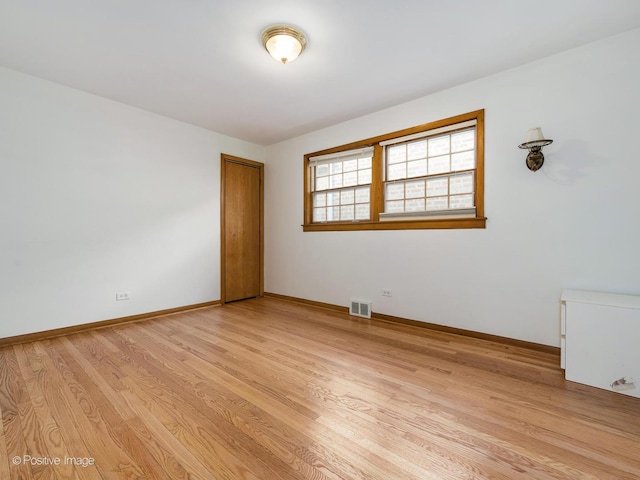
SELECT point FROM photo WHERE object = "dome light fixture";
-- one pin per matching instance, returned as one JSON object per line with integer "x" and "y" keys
{"x": 284, "y": 42}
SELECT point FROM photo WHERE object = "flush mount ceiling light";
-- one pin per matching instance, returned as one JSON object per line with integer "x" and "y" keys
{"x": 283, "y": 42}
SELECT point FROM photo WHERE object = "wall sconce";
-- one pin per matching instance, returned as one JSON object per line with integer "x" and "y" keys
{"x": 535, "y": 142}
{"x": 284, "y": 43}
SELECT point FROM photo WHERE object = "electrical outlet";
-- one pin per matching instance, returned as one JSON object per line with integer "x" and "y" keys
{"x": 386, "y": 292}
{"x": 122, "y": 296}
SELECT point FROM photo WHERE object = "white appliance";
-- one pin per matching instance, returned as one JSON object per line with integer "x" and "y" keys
{"x": 600, "y": 340}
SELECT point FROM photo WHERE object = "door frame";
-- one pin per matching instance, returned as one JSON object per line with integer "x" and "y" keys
{"x": 224, "y": 158}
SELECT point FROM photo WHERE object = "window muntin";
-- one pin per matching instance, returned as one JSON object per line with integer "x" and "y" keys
{"x": 434, "y": 178}
{"x": 341, "y": 186}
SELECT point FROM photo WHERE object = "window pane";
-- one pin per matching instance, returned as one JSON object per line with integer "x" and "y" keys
{"x": 319, "y": 214}
{"x": 415, "y": 205}
{"x": 364, "y": 176}
{"x": 362, "y": 195}
{"x": 322, "y": 170}
{"x": 322, "y": 183}
{"x": 350, "y": 179}
{"x": 336, "y": 167}
{"x": 395, "y": 191}
{"x": 438, "y": 203}
{"x": 415, "y": 189}
{"x": 349, "y": 165}
{"x": 347, "y": 212}
{"x": 437, "y": 187}
{"x": 439, "y": 164}
{"x": 461, "y": 184}
{"x": 417, "y": 150}
{"x": 364, "y": 163}
{"x": 463, "y": 161}
{"x": 396, "y": 154}
{"x": 335, "y": 181}
{"x": 319, "y": 199}
{"x": 395, "y": 206}
{"x": 463, "y": 141}
{"x": 461, "y": 201}
{"x": 333, "y": 198}
{"x": 438, "y": 145}
{"x": 347, "y": 196}
{"x": 397, "y": 171}
{"x": 417, "y": 168}
{"x": 333, "y": 214}
{"x": 362, "y": 212}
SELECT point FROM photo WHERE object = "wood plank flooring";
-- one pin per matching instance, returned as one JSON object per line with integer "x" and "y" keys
{"x": 267, "y": 389}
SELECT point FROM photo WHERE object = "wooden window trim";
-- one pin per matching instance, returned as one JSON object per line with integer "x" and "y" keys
{"x": 377, "y": 185}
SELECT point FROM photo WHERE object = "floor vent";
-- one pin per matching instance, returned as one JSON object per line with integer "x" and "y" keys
{"x": 360, "y": 308}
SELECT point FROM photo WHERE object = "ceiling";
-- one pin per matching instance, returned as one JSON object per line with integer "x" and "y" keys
{"x": 201, "y": 61}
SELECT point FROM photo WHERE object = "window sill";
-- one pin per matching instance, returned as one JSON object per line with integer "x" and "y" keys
{"x": 445, "y": 223}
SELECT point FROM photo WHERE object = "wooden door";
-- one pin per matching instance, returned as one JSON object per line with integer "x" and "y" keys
{"x": 242, "y": 228}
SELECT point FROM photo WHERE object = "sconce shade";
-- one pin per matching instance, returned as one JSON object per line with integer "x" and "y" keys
{"x": 535, "y": 138}
{"x": 284, "y": 43}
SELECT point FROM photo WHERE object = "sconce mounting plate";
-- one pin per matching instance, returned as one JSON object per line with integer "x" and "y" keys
{"x": 535, "y": 159}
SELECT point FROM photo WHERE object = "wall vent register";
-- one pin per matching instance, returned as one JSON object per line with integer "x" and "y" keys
{"x": 360, "y": 308}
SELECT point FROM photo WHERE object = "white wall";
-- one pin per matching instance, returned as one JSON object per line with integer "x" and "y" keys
{"x": 573, "y": 224}
{"x": 96, "y": 198}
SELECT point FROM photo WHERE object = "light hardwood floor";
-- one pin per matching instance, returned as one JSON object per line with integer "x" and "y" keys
{"x": 267, "y": 389}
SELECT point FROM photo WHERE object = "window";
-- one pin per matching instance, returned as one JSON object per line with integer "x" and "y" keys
{"x": 430, "y": 176}
{"x": 431, "y": 173}
{"x": 342, "y": 186}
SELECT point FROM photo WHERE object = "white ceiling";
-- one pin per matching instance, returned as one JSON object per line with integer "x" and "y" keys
{"x": 201, "y": 61}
